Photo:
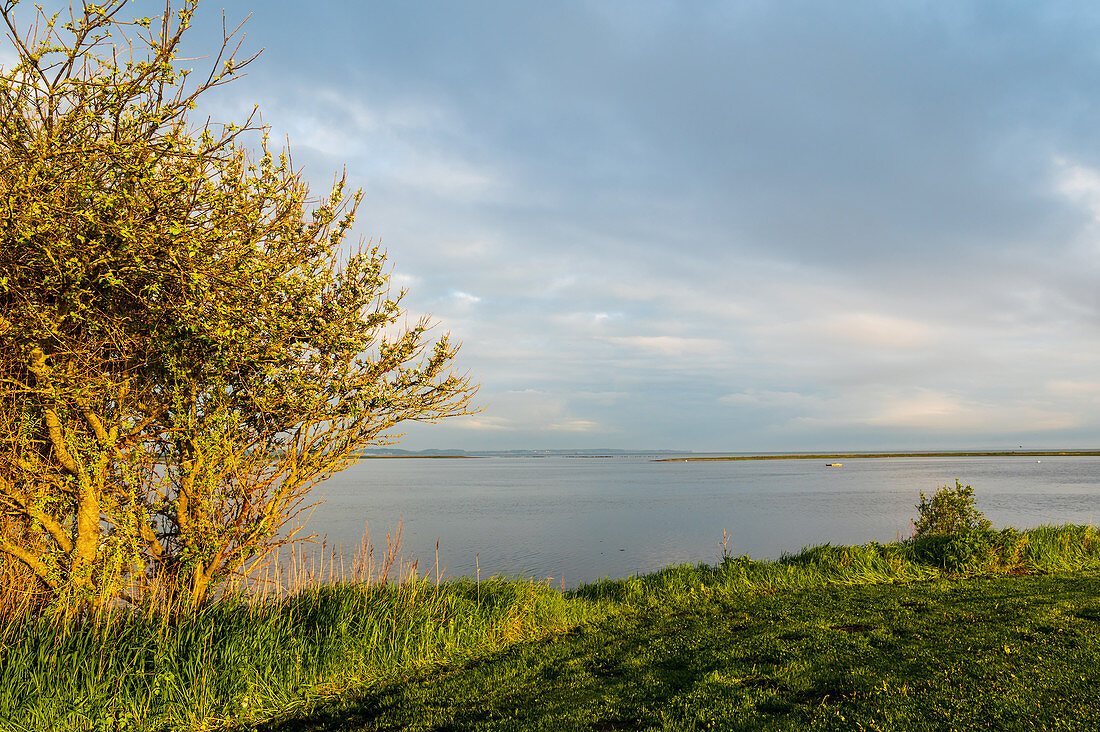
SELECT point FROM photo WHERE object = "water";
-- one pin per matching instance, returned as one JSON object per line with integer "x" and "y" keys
{"x": 579, "y": 519}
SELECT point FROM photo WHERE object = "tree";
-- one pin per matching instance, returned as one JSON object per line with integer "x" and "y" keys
{"x": 185, "y": 349}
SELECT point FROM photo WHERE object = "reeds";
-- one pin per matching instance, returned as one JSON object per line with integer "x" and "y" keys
{"x": 304, "y": 565}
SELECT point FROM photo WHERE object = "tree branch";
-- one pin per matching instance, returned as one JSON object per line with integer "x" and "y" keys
{"x": 35, "y": 564}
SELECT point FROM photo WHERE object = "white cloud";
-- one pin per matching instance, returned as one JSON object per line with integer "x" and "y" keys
{"x": 464, "y": 298}
{"x": 1079, "y": 183}
{"x": 392, "y": 143}
{"x": 950, "y": 413}
{"x": 790, "y": 270}
{"x": 480, "y": 424}
{"x": 784, "y": 399}
{"x": 1074, "y": 389}
{"x": 906, "y": 409}
{"x": 876, "y": 330}
{"x": 669, "y": 345}
{"x": 923, "y": 409}
{"x": 529, "y": 410}
{"x": 601, "y": 398}
{"x": 573, "y": 425}
{"x": 403, "y": 280}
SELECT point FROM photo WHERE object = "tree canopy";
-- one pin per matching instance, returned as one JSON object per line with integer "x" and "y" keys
{"x": 187, "y": 344}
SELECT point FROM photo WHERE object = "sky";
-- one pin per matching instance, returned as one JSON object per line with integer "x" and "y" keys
{"x": 717, "y": 226}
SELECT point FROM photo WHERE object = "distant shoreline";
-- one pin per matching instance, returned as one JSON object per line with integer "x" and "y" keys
{"x": 418, "y": 457}
{"x": 770, "y": 456}
{"x": 859, "y": 455}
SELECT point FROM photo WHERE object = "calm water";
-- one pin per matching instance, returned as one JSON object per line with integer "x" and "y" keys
{"x": 585, "y": 518}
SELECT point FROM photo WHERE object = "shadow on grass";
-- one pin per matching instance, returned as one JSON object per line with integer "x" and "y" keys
{"x": 1006, "y": 653}
{"x": 614, "y": 676}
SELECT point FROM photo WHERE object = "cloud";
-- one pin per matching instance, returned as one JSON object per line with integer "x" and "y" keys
{"x": 908, "y": 410}
{"x": 464, "y": 298}
{"x": 1074, "y": 389}
{"x": 878, "y": 331}
{"x": 573, "y": 425}
{"x": 771, "y": 399}
{"x": 530, "y": 410}
{"x": 668, "y": 345}
{"x": 479, "y": 424}
{"x": 404, "y": 280}
{"x": 924, "y": 409}
{"x": 1079, "y": 183}
{"x": 602, "y": 398}
{"x": 767, "y": 225}
{"x": 399, "y": 143}
{"x": 929, "y": 410}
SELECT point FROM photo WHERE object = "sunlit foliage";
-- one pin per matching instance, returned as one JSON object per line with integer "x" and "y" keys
{"x": 187, "y": 345}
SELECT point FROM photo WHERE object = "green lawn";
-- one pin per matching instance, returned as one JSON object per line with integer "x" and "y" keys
{"x": 1015, "y": 652}
{"x": 980, "y": 630}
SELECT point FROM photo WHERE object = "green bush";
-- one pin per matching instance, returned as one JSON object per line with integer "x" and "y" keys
{"x": 951, "y": 532}
{"x": 949, "y": 512}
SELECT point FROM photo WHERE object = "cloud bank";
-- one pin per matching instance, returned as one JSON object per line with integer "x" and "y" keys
{"x": 725, "y": 226}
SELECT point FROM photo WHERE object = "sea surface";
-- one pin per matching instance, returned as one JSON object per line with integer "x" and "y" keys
{"x": 577, "y": 519}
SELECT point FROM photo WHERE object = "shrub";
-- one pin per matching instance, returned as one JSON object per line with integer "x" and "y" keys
{"x": 188, "y": 342}
{"x": 949, "y": 512}
{"x": 951, "y": 532}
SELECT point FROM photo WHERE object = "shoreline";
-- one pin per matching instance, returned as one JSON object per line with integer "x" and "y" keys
{"x": 859, "y": 455}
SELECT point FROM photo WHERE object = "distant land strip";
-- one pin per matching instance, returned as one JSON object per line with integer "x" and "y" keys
{"x": 856, "y": 455}
{"x": 418, "y": 457}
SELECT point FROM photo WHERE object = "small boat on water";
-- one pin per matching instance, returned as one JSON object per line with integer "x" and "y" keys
{"x": 834, "y": 465}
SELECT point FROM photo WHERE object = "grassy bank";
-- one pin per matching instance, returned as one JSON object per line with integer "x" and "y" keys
{"x": 236, "y": 662}
{"x": 827, "y": 635}
{"x": 1008, "y": 653}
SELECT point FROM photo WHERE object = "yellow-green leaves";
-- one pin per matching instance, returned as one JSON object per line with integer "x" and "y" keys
{"x": 212, "y": 349}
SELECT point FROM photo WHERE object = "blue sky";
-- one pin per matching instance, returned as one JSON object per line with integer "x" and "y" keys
{"x": 722, "y": 226}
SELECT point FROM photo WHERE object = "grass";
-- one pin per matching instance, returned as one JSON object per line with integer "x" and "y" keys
{"x": 241, "y": 662}
{"x": 983, "y": 653}
{"x": 880, "y": 636}
{"x": 304, "y": 631}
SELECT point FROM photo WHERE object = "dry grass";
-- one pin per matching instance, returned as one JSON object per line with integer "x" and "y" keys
{"x": 307, "y": 564}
